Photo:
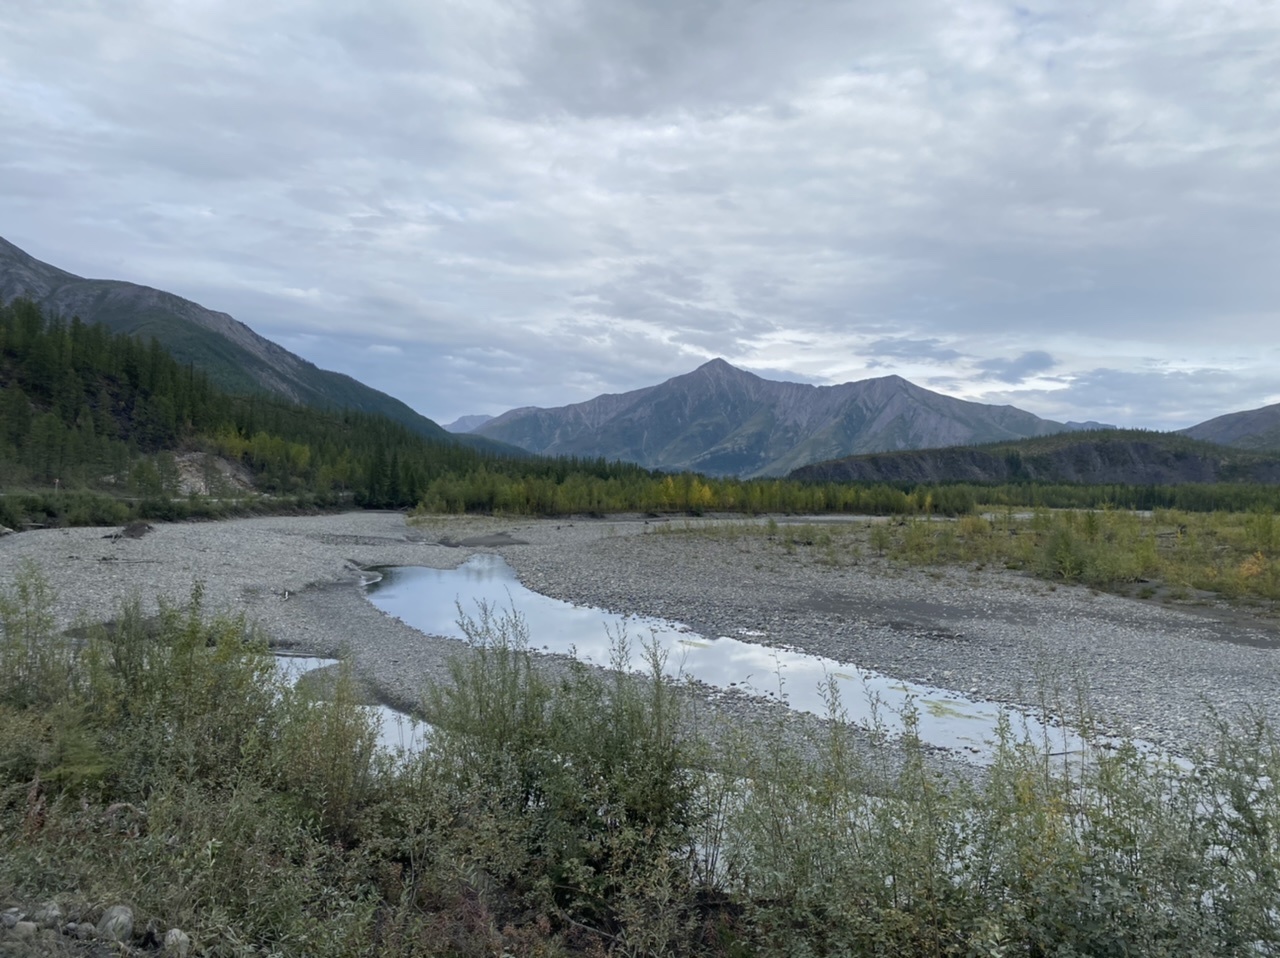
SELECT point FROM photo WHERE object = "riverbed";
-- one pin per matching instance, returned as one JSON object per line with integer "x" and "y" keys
{"x": 989, "y": 635}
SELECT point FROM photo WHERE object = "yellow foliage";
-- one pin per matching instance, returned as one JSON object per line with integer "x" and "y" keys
{"x": 1253, "y": 566}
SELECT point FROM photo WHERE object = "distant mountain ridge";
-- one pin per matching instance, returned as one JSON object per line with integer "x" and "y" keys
{"x": 464, "y": 424}
{"x": 722, "y": 420}
{"x": 233, "y": 356}
{"x": 1128, "y": 457}
{"x": 1251, "y": 429}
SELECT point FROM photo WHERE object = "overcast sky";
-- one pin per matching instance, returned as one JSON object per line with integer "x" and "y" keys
{"x": 1069, "y": 206}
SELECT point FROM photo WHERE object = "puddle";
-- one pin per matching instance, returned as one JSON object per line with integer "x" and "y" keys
{"x": 396, "y": 731}
{"x": 429, "y": 600}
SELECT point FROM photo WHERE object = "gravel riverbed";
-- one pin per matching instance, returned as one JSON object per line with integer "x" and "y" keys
{"x": 1144, "y": 669}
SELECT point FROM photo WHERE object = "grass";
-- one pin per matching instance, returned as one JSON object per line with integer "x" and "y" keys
{"x": 1180, "y": 556}
{"x": 164, "y": 764}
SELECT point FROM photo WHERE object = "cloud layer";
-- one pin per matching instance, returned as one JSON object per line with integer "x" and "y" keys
{"x": 480, "y": 205}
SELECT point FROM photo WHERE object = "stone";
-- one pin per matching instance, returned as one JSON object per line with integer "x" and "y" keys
{"x": 177, "y": 943}
{"x": 25, "y": 930}
{"x": 10, "y": 917}
{"x": 116, "y": 923}
{"x": 84, "y": 931}
{"x": 48, "y": 915}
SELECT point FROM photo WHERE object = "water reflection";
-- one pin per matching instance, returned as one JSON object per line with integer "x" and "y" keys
{"x": 430, "y": 600}
{"x": 397, "y": 732}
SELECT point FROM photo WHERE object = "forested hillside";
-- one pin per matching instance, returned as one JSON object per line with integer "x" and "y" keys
{"x": 93, "y": 425}
{"x": 236, "y": 358}
{"x": 1133, "y": 457}
{"x": 91, "y": 419}
{"x": 82, "y": 408}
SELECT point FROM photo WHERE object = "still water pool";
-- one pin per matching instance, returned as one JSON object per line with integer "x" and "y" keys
{"x": 435, "y": 600}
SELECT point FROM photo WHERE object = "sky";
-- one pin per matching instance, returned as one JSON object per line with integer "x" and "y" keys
{"x": 473, "y": 205}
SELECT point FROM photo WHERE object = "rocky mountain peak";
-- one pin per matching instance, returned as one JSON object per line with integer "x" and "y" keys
{"x": 722, "y": 420}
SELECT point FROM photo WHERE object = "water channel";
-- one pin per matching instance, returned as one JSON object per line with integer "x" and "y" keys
{"x": 433, "y": 600}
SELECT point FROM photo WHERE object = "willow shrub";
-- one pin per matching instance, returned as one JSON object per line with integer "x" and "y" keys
{"x": 157, "y": 762}
{"x": 561, "y": 809}
{"x": 580, "y": 791}
{"x": 1126, "y": 854}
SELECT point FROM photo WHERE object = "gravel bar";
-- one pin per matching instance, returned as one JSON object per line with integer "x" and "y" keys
{"x": 1149, "y": 670}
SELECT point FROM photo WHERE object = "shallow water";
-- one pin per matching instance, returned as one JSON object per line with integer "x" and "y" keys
{"x": 397, "y": 732}
{"x": 434, "y": 600}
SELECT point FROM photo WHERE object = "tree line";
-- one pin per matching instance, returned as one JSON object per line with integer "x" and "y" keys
{"x": 87, "y": 412}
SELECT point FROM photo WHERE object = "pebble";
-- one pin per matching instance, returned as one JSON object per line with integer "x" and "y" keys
{"x": 996, "y": 634}
{"x": 177, "y": 943}
{"x": 116, "y": 923}
{"x": 48, "y": 916}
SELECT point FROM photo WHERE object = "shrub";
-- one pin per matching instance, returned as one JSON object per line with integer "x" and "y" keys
{"x": 585, "y": 785}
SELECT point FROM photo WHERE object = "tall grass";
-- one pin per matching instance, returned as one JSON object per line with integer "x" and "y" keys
{"x": 563, "y": 810}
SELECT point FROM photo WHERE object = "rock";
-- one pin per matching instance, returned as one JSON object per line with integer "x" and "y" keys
{"x": 177, "y": 942}
{"x": 134, "y": 530}
{"x": 10, "y": 917}
{"x": 25, "y": 930}
{"x": 48, "y": 915}
{"x": 5, "y": 531}
{"x": 116, "y": 923}
{"x": 84, "y": 931}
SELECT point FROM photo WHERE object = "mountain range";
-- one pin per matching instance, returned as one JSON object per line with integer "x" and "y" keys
{"x": 233, "y": 356}
{"x": 717, "y": 419}
{"x": 721, "y": 420}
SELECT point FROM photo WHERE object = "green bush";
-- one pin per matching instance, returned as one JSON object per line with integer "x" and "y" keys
{"x": 560, "y": 809}
{"x": 585, "y": 784}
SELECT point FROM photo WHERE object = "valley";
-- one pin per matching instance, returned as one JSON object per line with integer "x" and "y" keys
{"x": 888, "y": 661}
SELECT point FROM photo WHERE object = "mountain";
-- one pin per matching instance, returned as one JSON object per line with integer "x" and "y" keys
{"x": 464, "y": 424}
{"x": 1129, "y": 457}
{"x": 1252, "y": 429}
{"x": 234, "y": 357}
{"x": 721, "y": 420}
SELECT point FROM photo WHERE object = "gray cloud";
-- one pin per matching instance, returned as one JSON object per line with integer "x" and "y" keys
{"x": 539, "y": 202}
{"x": 1156, "y": 398}
{"x": 1019, "y": 369}
{"x": 922, "y": 350}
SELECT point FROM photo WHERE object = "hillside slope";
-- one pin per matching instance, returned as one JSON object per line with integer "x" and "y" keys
{"x": 233, "y": 356}
{"x": 721, "y": 420}
{"x": 1126, "y": 457}
{"x": 1252, "y": 429}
